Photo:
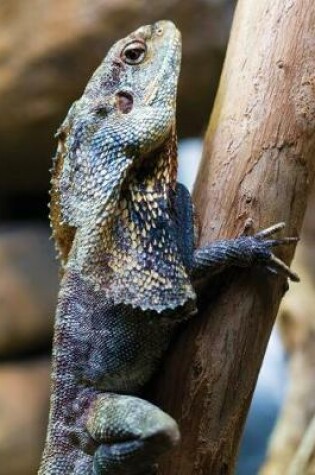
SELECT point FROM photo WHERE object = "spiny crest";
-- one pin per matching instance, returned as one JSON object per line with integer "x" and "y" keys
{"x": 62, "y": 233}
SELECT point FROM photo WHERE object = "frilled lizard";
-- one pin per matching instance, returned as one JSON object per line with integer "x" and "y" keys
{"x": 124, "y": 229}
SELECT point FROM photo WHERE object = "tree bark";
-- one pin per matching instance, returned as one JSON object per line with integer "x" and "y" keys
{"x": 256, "y": 171}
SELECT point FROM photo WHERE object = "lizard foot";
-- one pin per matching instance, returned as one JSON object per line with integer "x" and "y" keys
{"x": 131, "y": 433}
{"x": 244, "y": 251}
{"x": 262, "y": 251}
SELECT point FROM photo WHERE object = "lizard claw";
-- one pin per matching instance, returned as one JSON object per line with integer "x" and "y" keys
{"x": 277, "y": 266}
{"x": 274, "y": 264}
{"x": 281, "y": 242}
{"x": 269, "y": 231}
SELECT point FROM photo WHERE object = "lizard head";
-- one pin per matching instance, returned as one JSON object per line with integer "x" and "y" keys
{"x": 140, "y": 70}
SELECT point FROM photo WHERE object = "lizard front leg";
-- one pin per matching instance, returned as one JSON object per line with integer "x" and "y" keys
{"x": 245, "y": 251}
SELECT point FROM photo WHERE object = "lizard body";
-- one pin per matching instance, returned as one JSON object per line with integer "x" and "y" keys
{"x": 124, "y": 229}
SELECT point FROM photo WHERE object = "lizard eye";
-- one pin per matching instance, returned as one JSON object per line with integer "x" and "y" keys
{"x": 134, "y": 53}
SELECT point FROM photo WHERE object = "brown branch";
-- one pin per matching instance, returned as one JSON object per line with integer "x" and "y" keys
{"x": 255, "y": 172}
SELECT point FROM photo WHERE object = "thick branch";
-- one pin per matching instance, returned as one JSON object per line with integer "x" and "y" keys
{"x": 256, "y": 171}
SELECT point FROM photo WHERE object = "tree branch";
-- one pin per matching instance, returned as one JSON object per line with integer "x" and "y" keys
{"x": 256, "y": 170}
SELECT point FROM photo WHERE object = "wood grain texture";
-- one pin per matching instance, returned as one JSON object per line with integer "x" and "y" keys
{"x": 257, "y": 166}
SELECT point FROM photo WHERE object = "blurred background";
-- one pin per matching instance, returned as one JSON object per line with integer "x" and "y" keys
{"x": 48, "y": 50}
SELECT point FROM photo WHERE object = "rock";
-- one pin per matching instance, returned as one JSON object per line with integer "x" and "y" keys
{"x": 28, "y": 289}
{"x": 24, "y": 399}
{"x": 48, "y": 53}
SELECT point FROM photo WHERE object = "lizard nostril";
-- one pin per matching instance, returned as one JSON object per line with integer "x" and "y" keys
{"x": 124, "y": 102}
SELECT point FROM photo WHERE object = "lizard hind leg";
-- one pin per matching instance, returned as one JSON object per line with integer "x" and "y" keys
{"x": 131, "y": 432}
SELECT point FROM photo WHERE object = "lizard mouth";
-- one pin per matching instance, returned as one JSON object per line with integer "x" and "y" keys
{"x": 124, "y": 102}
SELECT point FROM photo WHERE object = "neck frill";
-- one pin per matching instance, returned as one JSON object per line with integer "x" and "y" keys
{"x": 136, "y": 260}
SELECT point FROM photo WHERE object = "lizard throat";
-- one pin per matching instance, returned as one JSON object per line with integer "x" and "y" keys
{"x": 135, "y": 258}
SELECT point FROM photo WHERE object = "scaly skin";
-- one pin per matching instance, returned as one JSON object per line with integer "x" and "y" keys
{"x": 125, "y": 235}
